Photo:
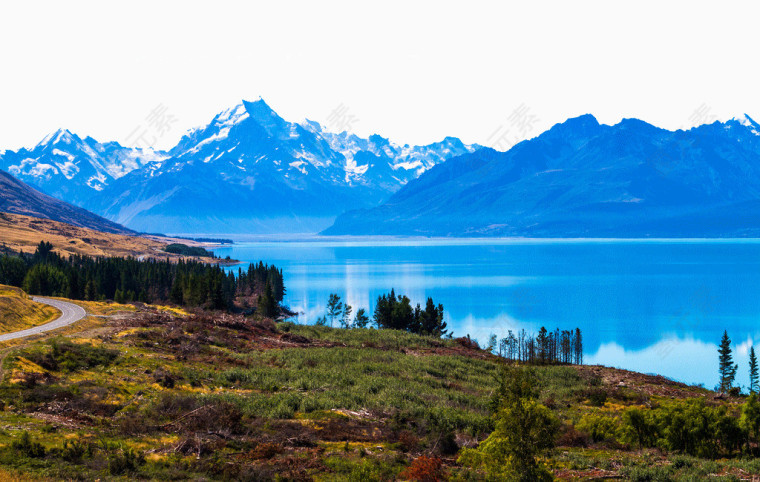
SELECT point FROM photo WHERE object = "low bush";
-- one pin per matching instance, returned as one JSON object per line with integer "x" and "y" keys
{"x": 598, "y": 427}
{"x": 597, "y": 397}
{"x": 125, "y": 461}
{"x": 73, "y": 450}
{"x": 67, "y": 356}
{"x": 425, "y": 469}
{"x": 28, "y": 447}
{"x": 648, "y": 474}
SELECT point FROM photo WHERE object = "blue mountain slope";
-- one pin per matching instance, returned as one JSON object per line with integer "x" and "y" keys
{"x": 68, "y": 167}
{"x": 251, "y": 171}
{"x": 20, "y": 198}
{"x": 583, "y": 179}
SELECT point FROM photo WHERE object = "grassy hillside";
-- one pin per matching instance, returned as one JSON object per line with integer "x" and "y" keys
{"x": 21, "y": 198}
{"x": 18, "y": 311}
{"x": 19, "y": 232}
{"x": 159, "y": 396}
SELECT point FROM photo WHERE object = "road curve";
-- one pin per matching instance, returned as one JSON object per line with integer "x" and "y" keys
{"x": 70, "y": 313}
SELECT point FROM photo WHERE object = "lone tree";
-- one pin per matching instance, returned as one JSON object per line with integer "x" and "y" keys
{"x": 726, "y": 369}
{"x": 361, "y": 320}
{"x": 345, "y": 321}
{"x": 752, "y": 370}
{"x": 525, "y": 430}
{"x": 334, "y": 307}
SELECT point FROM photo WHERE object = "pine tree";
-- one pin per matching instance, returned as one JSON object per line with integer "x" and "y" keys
{"x": 432, "y": 320}
{"x": 361, "y": 319}
{"x": 543, "y": 345}
{"x": 402, "y": 316}
{"x": 381, "y": 315}
{"x": 752, "y": 370}
{"x": 89, "y": 291}
{"x": 267, "y": 303}
{"x": 334, "y": 307}
{"x": 345, "y": 321}
{"x": 727, "y": 369}
{"x": 493, "y": 343}
{"x": 578, "y": 347}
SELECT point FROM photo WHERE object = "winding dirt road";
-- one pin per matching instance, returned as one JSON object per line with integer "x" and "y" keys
{"x": 70, "y": 313}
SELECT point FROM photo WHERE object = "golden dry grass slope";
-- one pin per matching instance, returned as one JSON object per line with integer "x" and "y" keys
{"x": 19, "y": 232}
{"x": 18, "y": 311}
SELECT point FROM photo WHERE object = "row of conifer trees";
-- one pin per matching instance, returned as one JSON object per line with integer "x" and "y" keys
{"x": 546, "y": 347}
{"x": 186, "y": 282}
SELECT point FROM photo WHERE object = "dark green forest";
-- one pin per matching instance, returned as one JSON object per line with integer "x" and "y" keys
{"x": 185, "y": 283}
{"x": 396, "y": 312}
{"x": 185, "y": 250}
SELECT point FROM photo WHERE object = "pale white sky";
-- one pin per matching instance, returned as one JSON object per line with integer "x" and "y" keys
{"x": 411, "y": 71}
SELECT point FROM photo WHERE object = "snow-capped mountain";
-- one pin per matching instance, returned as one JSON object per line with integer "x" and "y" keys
{"x": 249, "y": 170}
{"x": 376, "y": 160}
{"x": 70, "y": 168}
{"x": 584, "y": 179}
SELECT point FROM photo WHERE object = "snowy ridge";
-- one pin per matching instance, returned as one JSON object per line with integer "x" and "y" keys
{"x": 249, "y": 163}
{"x": 73, "y": 169}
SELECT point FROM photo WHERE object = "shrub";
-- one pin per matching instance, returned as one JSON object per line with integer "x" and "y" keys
{"x": 426, "y": 469}
{"x": 28, "y": 447}
{"x": 570, "y": 437}
{"x": 447, "y": 445}
{"x": 266, "y": 450}
{"x": 125, "y": 461}
{"x": 73, "y": 450}
{"x": 68, "y": 356}
{"x": 164, "y": 378}
{"x": 215, "y": 416}
{"x": 598, "y": 427}
{"x": 371, "y": 469}
{"x": 750, "y": 418}
{"x": 524, "y": 429}
{"x": 133, "y": 423}
{"x": 407, "y": 441}
{"x": 638, "y": 427}
{"x": 681, "y": 461}
{"x": 647, "y": 474}
{"x": 597, "y": 397}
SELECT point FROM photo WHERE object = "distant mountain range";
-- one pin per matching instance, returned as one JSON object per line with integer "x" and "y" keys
{"x": 19, "y": 198}
{"x": 584, "y": 179}
{"x": 250, "y": 171}
{"x": 247, "y": 171}
{"x": 73, "y": 169}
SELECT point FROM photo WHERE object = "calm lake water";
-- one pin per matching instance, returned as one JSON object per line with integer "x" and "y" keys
{"x": 647, "y": 305}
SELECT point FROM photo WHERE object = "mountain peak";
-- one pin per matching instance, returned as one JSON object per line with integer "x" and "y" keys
{"x": 747, "y": 121}
{"x": 574, "y": 126}
{"x": 60, "y": 135}
{"x": 312, "y": 125}
{"x": 258, "y": 107}
{"x": 585, "y": 119}
{"x": 231, "y": 116}
{"x": 379, "y": 140}
{"x": 634, "y": 123}
{"x": 264, "y": 115}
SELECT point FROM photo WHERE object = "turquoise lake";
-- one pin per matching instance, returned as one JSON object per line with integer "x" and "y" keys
{"x": 655, "y": 306}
